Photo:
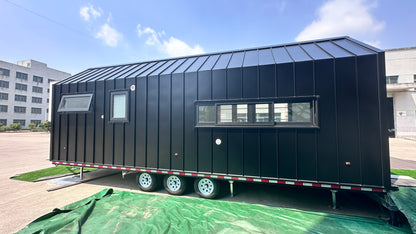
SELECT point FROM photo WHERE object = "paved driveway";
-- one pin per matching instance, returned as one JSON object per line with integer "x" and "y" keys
{"x": 21, "y": 202}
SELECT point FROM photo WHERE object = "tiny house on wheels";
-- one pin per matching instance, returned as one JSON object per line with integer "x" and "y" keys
{"x": 303, "y": 114}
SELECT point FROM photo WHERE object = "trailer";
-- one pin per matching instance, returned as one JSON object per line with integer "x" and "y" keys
{"x": 304, "y": 114}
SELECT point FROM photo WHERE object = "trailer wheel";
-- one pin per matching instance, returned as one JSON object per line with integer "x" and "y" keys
{"x": 146, "y": 182}
{"x": 206, "y": 188}
{"x": 174, "y": 185}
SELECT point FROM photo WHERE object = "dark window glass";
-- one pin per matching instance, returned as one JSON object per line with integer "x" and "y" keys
{"x": 49, "y": 80}
{"x": 36, "y": 110}
{"x": 4, "y": 84}
{"x": 3, "y": 108}
{"x": 4, "y": 96}
{"x": 76, "y": 102}
{"x": 293, "y": 112}
{"x": 19, "y": 86}
{"x": 206, "y": 114}
{"x": 21, "y": 75}
{"x": 37, "y": 89}
{"x": 3, "y": 122}
{"x": 392, "y": 79}
{"x": 38, "y": 79}
{"x": 19, "y": 109}
{"x": 4, "y": 72}
{"x": 22, "y": 122}
{"x": 37, "y": 100}
{"x": 20, "y": 98}
{"x": 35, "y": 121}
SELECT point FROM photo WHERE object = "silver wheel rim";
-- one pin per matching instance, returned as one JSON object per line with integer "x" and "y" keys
{"x": 173, "y": 183}
{"x": 206, "y": 186}
{"x": 145, "y": 180}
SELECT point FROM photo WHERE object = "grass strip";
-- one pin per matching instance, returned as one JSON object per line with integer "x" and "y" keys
{"x": 58, "y": 170}
{"x": 411, "y": 173}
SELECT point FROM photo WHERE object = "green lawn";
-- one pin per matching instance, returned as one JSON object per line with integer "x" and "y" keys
{"x": 58, "y": 170}
{"x": 411, "y": 173}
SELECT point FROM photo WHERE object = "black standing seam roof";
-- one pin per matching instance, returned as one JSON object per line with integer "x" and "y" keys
{"x": 285, "y": 53}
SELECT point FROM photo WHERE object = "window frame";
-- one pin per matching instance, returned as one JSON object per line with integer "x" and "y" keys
{"x": 119, "y": 120}
{"x": 251, "y": 113}
{"x": 61, "y": 110}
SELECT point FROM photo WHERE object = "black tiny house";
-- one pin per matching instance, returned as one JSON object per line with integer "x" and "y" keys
{"x": 308, "y": 113}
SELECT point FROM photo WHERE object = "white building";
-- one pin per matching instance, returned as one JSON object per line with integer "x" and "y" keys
{"x": 401, "y": 87}
{"x": 24, "y": 91}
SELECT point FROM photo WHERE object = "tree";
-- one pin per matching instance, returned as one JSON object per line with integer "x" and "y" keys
{"x": 45, "y": 125}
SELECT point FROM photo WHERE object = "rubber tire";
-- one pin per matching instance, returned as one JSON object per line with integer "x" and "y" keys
{"x": 153, "y": 184}
{"x": 178, "y": 192}
{"x": 211, "y": 195}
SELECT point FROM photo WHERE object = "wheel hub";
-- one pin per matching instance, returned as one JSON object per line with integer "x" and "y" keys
{"x": 145, "y": 180}
{"x": 206, "y": 186}
{"x": 173, "y": 183}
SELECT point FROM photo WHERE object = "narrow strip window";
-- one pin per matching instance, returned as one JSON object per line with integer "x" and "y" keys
{"x": 75, "y": 103}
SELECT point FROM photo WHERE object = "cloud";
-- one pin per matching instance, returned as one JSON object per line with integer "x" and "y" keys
{"x": 173, "y": 47}
{"x": 342, "y": 17}
{"x": 109, "y": 35}
{"x": 87, "y": 11}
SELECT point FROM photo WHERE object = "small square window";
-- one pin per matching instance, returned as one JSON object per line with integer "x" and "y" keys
{"x": 206, "y": 114}
{"x": 262, "y": 113}
{"x": 75, "y": 103}
{"x": 119, "y": 104}
{"x": 225, "y": 114}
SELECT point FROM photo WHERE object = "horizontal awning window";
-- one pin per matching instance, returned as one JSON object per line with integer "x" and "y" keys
{"x": 75, "y": 103}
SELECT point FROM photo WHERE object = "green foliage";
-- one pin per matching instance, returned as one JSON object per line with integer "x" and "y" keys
{"x": 1, "y": 124}
{"x": 58, "y": 170}
{"x": 32, "y": 126}
{"x": 45, "y": 126}
{"x": 411, "y": 173}
{"x": 2, "y": 128}
{"x": 15, "y": 126}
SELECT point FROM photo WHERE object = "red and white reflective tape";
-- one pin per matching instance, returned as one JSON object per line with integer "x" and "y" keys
{"x": 271, "y": 181}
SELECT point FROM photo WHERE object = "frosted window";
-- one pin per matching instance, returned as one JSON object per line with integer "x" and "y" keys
{"x": 75, "y": 103}
{"x": 119, "y": 106}
{"x": 206, "y": 114}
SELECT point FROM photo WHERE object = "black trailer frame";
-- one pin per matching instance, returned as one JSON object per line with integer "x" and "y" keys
{"x": 307, "y": 113}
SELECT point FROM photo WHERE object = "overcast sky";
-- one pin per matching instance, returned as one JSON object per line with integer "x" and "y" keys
{"x": 73, "y": 35}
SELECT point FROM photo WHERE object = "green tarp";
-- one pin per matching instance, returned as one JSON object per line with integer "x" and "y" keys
{"x": 125, "y": 212}
{"x": 405, "y": 200}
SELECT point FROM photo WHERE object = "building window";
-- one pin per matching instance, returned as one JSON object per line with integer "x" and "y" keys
{"x": 119, "y": 104}
{"x": 20, "y": 98}
{"x": 4, "y": 96}
{"x": 392, "y": 79}
{"x": 19, "y": 109}
{"x": 38, "y": 79}
{"x": 36, "y": 110}
{"x": 414, "y": 78}
{"x": 22, "y": 122}
{"x": 21, "y": 75}
{"x": 47, "y": 100}
{"x": 48, "y": 90}
{"x": 284, "y": 112}
{"x": 3, "y": 108}
{"x": 50, "y": 80}
{"x": 4, "y": 72}
{"x": 19, "y": 86}
{"x": 3, "y": 122}
{"x": 35, "y": 121}
{"x": 75, "y": 103}
{"x": 4, "y": 84}
{"x": 36, "y": 100}
{"x": 36, "y": 89}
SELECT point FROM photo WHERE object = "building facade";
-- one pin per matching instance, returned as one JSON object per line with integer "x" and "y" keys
{"x": 24, "y": 91}
{"x": 401, "y": 90}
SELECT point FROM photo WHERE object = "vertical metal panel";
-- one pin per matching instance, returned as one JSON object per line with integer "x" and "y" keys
{"x": 191, "y": 94}
{"x": 234, "y": 83}
{"x": 141, "y": 121}
{"x": 306, "y": 152}
{"x": 205, "y": 134}
{"x": 251, "y": 152}
{"x": 285, "y": 80}
{"x": 99, "y": 122}
{"x": 287, "y": 153}
{"x": 72, "y": 128}
{"x": 130, "y": 127}
{"x": 177, "y": 121}
{"x": 346, "y": 96}
{"x": 369, "y": 120}
{"x": 327, "y": 138}
{"x": 108, "y": 127}
{"x": 250, "y": 82}
{"x": 267, "y": 81}
{"x": 56, "y": 122}
{"x": 235, "y": 151}
{"x": 81, "y": 121}
{"x": 304, "y": 84}
{"x": 219, "y": 152}
{"x": 219, "y": 84}
{"x": 164, "y": 121}
{"x": 63, "y": 153}
{"x": 268, "y": 154}
{"x": 90, "y": 125}
{"x": 152, "y": 120}
{"x": 118, "y": 128}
